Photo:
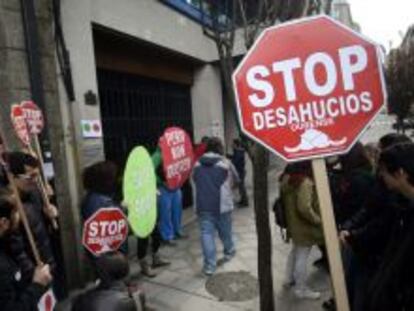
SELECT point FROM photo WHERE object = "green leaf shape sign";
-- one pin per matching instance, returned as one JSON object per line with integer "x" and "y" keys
{"x": 140, "y": 192}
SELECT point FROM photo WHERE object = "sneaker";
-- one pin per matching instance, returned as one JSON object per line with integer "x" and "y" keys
{"x": 208, "y": 272}
{"x": 226, "y": 258}
{"x": 169, "y": 243}
{"x": 181, "y": 236}
{"x": 242, "y": 204}
{"x": 158, "y": 262}
{"x": 307, "y": 294}
{"x": 146, "y": 269}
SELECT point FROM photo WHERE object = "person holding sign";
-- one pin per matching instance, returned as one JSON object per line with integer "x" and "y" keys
{"x": 14, "y": 294}
{"x": 100, "y": 181}
{"x": 298, "y": 195}
{"x": 170, "y": 204}
{"x": 25, "y": 169}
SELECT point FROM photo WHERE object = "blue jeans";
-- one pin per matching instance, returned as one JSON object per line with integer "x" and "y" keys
{"x": 209, "y": 223}
{"x": 170, "y": 212}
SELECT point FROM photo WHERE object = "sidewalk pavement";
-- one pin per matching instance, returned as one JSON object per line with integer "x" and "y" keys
{"x": 182, "y": 287}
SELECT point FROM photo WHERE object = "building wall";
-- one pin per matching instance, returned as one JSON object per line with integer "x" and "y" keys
{"x": 146, "y": 20}
{"x": 151, "y": 23}
{"x": 15, "y": 87}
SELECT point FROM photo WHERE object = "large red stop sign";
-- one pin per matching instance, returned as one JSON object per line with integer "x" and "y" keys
{"x": 309, "y": 88}
{"x": 105, "y": 230}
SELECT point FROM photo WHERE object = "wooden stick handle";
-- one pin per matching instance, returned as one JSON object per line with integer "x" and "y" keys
{"x": 24, "y": 219}
{"x": 20, "y": 207}
{"x": 331, "y": 234}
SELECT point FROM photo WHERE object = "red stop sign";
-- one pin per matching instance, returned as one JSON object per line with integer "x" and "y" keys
{"x": 105, "y": 230}
{"x": 309, "y": 88}
{"x": 34, "y": 117}
{"x": 177, "y": 156}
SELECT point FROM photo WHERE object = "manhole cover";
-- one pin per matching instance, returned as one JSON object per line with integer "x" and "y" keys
{"x": 233, "y": 286}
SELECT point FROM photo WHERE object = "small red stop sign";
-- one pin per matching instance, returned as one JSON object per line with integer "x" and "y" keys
{"x": 105, "y": 231}
{"x": 309, "y": 88}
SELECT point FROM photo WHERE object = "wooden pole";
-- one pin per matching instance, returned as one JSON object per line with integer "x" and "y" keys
{"x": 331, "y": 234}
{"x": 20, "y": 208}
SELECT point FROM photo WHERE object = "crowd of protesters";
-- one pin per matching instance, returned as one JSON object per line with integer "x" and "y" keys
{"x": 372, "y": 191}
{"x": 23, "y": 280}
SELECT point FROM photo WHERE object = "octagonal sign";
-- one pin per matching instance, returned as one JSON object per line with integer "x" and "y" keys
{"x": 309, "y": 88}
{"x": 105, "y": 231}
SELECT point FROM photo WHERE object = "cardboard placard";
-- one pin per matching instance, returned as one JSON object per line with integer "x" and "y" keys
{"x": 140, "y": 192}
{"x": 177, "y": 156}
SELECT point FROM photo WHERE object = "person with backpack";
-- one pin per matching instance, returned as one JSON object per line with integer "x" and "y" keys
{"x": 301, "y": 207}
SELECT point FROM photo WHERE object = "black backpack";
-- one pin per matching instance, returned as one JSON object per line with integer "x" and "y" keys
{"x": 280, "y": 218}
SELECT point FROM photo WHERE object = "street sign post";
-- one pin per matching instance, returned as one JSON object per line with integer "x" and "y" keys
{"x": 105, "y": 231}
{"x": 307, "y": 89}
{"x": 140, "y": 192}
{"x": 177, "y": 156}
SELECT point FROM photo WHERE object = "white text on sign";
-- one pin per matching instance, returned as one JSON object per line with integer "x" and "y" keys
{"x": 320, "y": 111}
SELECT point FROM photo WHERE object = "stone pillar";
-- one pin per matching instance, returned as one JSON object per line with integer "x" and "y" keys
{"x": 207, "y": 102}
{"x": 15, "y": 87}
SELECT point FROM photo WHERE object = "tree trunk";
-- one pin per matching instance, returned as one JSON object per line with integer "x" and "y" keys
{"x": 264, "y": 238}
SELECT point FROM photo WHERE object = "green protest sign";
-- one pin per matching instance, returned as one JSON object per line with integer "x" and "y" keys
{"x": 140, "y": 192}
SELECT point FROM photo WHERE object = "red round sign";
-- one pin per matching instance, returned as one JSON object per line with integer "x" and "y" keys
{"x": 19, "y": 123}
{"x": 34, "y": 117}
{"x": 309, "y": 88}
{"x": 177, "y": 156}
{"x": 105, "y": 230}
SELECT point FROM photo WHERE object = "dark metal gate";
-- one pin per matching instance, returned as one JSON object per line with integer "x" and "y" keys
{"x": 136, "y": 110}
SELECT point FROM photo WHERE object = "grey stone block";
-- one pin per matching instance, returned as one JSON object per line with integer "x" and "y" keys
{"x": 17, "y": 69}
{"x": 49, "y": 74}
{"x": 12, "y": 30}
{"x": 13, "y": 5}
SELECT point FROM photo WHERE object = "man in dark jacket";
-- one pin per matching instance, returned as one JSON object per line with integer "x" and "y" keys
{"x": 393, "y": 286}
{"x": 213, "y": 177}
{"x": 25, "y": 169}
{"x": 112, "y": 294}
{"x": 15, "y": 295}
{"x": 238, "y": 158}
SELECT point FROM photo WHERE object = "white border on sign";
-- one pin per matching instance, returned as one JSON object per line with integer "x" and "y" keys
{"x": 100, "y": 210}
{"x": 299, "y": 21}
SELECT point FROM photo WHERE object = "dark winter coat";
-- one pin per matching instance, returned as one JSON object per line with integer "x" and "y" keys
{"x": 15, "y": 295}
{"x": 393, "y": 286}
{"x": 115, "y": 297}
{"x": 213, "y": 178}
{"x": 239, "y": 161}
{"x": 355, "y": 188}
{"x": 370, "y": 228}
{"x": 20, "y": 245}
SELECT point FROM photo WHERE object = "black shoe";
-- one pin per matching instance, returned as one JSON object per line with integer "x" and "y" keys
{"x": 329, "y": 305}
{"x": 321, "y": 263}
{"x": 169, "y": 243}
{"x": 181, "y": 236}
{"x": 242, "y": 204}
